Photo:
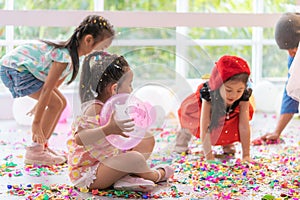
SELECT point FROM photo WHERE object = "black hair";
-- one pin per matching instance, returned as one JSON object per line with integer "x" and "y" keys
{"x": 95, "y": 25}
{"x": 98, "y": 71}
{"x": 218, "y": 107}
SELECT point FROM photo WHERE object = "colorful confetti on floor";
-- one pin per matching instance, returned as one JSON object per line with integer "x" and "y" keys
{"x": 274, "y": 174}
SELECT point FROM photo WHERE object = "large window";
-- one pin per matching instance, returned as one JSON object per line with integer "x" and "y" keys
{"x": 162, "y": 52}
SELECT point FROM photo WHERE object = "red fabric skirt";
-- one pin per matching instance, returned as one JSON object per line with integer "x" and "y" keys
{"x": 189, "y": 117}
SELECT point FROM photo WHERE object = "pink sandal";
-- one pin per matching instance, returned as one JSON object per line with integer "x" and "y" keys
{"x": 169, "y": 172}
{"x": 130, "y": 183}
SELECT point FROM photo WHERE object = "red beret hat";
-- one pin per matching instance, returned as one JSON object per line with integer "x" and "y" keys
{"x": 226, "y": 67}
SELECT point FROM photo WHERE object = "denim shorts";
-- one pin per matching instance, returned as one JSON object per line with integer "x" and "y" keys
{"x": 288, "y": 104}
{"x": 19, "y": 83}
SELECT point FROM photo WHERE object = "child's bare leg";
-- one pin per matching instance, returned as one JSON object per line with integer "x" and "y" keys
{"x": 129, "y": 162}
{"x": 183, "y": 137}
{"x": 146, "y": 146}
{"x": 114, "y": 168}
{"x": 37, "y": 154}
{"x": 106, "y": 176}
{"x": 53, "y": 112}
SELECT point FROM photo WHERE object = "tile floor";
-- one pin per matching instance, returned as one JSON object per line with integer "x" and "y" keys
{"x": 278, "y": 171}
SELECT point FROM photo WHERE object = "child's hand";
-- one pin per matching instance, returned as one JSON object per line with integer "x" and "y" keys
{"x": 32, "y": 111}
{"x": 37, "y": 134}
{"x": 117, "y": 127}
{"x": 270, "y": 136}
{"x": 125, "y": 126}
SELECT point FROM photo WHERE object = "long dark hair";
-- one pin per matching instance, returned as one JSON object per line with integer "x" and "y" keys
{"x": 95, "y": 25}
{"x": 99, "y": 70}
{"x": 218, "y": 107}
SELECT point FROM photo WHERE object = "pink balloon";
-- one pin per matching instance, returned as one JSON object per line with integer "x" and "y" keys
{"x": 135, "y": 109}
{"x": 151, "y": 112}
{"x": 65, "y": 114}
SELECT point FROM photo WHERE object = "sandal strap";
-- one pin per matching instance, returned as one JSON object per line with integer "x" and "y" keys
{"x": 169, "y": 171}
{"x": 159, "y": 175}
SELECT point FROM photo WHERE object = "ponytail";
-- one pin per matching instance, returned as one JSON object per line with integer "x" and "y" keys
{"x": 85, "y": 85}
{"x": 95, "y": 25}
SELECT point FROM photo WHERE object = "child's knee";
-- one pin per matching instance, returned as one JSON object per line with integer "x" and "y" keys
{"x": 63, "y": 102}
{"x": 150, "y": 140}
{"x": 147, "y": 144}
{"x": 57, "y": 103}
{"x": 135, "y": 156}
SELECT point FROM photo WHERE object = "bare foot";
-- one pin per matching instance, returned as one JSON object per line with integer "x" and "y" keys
{"x": 229, "y": 149}
{"x": 248, "y": 159}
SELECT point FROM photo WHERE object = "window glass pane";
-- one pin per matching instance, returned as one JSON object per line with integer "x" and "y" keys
{"x": 2, "y": 48}
{"x": 224, "y": 6}
{"x": 274, "y": 62}
{"x": 145, "y": 33}
{"x": 269, "y": 33}
{"x": 199, "y": 62}
{"x": 271, "y": 6}
{"x": 54, "y": 33}
{"x": 2, "y": 52}
{"x": 137, "y": 5}
{"x": 221, "y": 33}
{"x": 240, "y": 6}
{"x": 2, "y": 33}
{"x": 3, "y": 89}
{"x": 150, "y": 62}
{"x": 53, "y": 5}
{"x": 156, "y": 63}
{"x": 215, "y": 52}
{"x": 2, "y": 4}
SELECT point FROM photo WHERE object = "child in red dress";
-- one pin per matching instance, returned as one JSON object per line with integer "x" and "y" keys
{"x": 219, "y": 111}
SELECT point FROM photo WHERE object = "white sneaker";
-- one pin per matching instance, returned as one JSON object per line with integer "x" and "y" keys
{"x": 134, "y": 184}
{"x": 183, "y": 138}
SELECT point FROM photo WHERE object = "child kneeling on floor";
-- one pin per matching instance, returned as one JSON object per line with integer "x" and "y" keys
{"x": 93, "y": 162}
{"x": 219, "y": 111}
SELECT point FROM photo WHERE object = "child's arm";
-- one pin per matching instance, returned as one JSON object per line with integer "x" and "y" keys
{"x": 204, "y": 124}
{"x": 244, "y": 129}
{"x": 90, "y": 136}
{"x": 59, "y": 82}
